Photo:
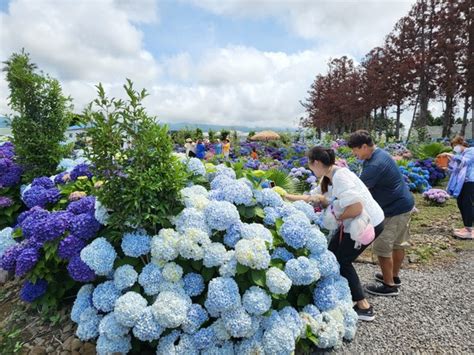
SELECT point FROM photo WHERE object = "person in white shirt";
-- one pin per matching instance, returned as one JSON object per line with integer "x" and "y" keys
{"x": 353, "y": 198}
{"x": 190, "y": 147}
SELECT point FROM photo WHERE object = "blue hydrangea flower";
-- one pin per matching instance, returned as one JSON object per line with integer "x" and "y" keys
{"x": 292, "y": 320}
{"x": 79, "y": 271}
{"x": 104, "y": 296}
{"x": 229, "y": 268}
{"x": 268, "y": 198}
{"x": 136, "y": 243}
{"x": 124, "y": 277}
{"x": 237, "y": 322}
{"x": 195, "y": 317}
{"x": 256, "y": 231}
{"x": 190, "y": 249}
{"x": 88, "y": 326}
{"x": 317, "y": 242}
{"x": 147, "y": 328}
{"x": 222, "y": 295}
{"x": 110, "y": 328}
{"x": 312, "y": 310}
{"x": 252, "y": 253}
{"x": 193, "y": 284}
{"x": 106, "y": 346}
{"x": 82, "y": 302}
{"x": 172, "y": 272}
{"x": 214, "y": 255}
{"x": 232, "y": 235}
{"x": 204, "y": 338}
{"x": 100, "y": 213}
{"x": 190, "y": 218}
{"x": 325, "y": 295}
{"x": 220, "y": 181}
{"x": 32, "y": 291}
{"x": 302, "y": 271}
{"x": 327, "y": 263}
{"x": 331, "y": 332}
{"x": 271, "y": 216}
{"x": 196, "y": 167}
{"x": 170, "y": 309}
{"x": 6, "y": 239}
{"x": 150, "y": 279}
{"x": 81, "y": 170}
{"x": 306, "y": 208}
{"x": 278, "y": 339}
{"x": 250, "y": 346}
{"x": 227, "y": 348}
{"x": 282, "y": 254}
{"x": 256, "y": 301}
{"x": 166, "y": 345}
{"x": 70, "y": 246}
{"x": 295, "y": 232}
{"x": 193, "y": 191}
{"x": 237, "y": 193}
{"x": 164, "y": 246}
{"x": 198, "y": 202}
{"x": 8, "y": 259}
{"x": 99, "y": 256}
{"x": 219, "y": 328}
{"x": 129, "y": 307}
{"x": 221, "y": 215}
{"x": 277, "y": 281}
{"x": 40, "y": 196}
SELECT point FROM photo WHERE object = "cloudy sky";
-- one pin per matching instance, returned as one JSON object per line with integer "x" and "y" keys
{"x": 246, "y": 62}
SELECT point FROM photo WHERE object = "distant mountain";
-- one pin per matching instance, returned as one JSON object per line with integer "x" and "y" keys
{"x": 206, "y": 127}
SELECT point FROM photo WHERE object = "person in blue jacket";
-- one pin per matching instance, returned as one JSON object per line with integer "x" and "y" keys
{"x": 200, "y": 150}
{"x": 461, "y": 185}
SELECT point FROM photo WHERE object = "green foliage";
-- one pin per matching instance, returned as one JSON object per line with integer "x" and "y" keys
{"x": 281, "y": 179}
{"x": 251, "y": 134}
{"x": 42, "y": 115}
{"x": 142, "y": 181}
{"x": 198, "y": 135}
{"x": 224, "y": 134}
{"x": 211, "y": 135}
{"x": 286, "y": 137}
{"x": 9, "y": 214}
{"x": 431, "y": 150}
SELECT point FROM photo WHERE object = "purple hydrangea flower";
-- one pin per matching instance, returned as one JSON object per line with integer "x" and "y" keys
{"x": 32, "y": 291}
{"x": 5, "y": 201}
{"x": 8, "y": 260}
{"x": 26, "y": 260}
{"x": 40, "y": 196}
{"x": 7, "y": 150}
{"x": 80, "y": 170}
{"x": 84, "y": 226}
{"x": 43, "y": 181}
{"x": 70, "y": 246}
{"x": 60, "y": 178}
{"x": 10, "y": 172}
{"x": 84, "y": 205}
{"x": 79, "y": 271}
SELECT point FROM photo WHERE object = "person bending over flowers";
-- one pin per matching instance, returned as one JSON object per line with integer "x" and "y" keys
{"x": 342, "y": 184}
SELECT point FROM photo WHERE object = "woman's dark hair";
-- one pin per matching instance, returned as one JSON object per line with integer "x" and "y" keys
{"x": 359, "y": 138}
{"x": 326, "y": 156}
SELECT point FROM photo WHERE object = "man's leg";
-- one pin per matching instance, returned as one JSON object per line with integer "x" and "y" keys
{"x": 397, "y": 256}
{"x": 387, "y": 266}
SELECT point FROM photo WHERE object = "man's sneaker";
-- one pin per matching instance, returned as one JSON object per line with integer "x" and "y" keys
{"x": 396, "y": 280}
{"x": 382, "y": 290}
{"x": 367, "y": 315}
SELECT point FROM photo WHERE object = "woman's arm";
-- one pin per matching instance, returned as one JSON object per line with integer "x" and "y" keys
{"x": 351, "y": 211}
{"x": 309, "y": 198}
{"x": 293, "y": 198}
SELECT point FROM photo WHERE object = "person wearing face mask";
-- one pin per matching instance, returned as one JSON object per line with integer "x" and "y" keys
{"x": 461, "y": 184}
{"x": 383, "y": 178}
{"x": 353, "y": 198}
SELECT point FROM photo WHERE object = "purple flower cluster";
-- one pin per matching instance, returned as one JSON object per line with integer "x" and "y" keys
{"x": 10, "y": 172}
{"x": 62, "y": 178}
{"x": 80, "y": 170}
{"x": 436, "y": 196}
{"x": 32, "y": 291}
{"x": 42, "y": 192}
{"x": 5, "y": 201}
{"x": 83, "y": 205}
{"x": 70, "y": 247}
{"x": 79, "y": 271}
{"x": 436, "y": 174}
{"x": 26, "y": 261}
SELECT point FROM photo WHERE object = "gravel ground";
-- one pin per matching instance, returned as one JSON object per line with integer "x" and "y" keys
{"x": 434, "y": 312}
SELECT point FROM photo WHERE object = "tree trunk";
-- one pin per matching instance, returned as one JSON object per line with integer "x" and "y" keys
{"x": 397, "y": 123}
{"x": 424, "y": 100}
{"x": 448, "y": 116}
{"x": 413, "y": 118}
{"x": 464, "y": 116}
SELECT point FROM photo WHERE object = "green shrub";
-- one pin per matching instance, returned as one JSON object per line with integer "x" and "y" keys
{"x": 142, "y": 178}
{"x": 42, "y": 116}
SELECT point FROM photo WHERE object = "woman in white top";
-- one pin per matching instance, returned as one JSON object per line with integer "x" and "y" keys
{"x": 344, "y": 184}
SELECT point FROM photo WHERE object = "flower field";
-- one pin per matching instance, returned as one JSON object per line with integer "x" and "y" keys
{"x": 236, "y": 270}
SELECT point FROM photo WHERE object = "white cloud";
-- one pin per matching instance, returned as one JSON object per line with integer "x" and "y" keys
{"x": 353, "y": 25}
{"x": 81, "y": 41}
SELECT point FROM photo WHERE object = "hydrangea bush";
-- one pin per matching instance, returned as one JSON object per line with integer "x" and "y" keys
{"x": 436, "y": 197}
{"x": 240, "y": 271}
{"x": 10, "y": 177}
